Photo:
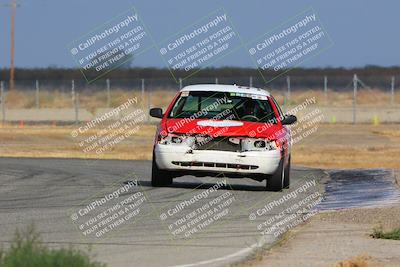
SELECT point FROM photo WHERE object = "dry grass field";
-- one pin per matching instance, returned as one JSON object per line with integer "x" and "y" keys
{"x": 331, "y": 146}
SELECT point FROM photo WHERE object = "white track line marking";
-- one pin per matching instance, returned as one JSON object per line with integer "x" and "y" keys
{"x": 227, "y": 257}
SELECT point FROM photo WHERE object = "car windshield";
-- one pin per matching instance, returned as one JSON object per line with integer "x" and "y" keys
{"x": 223, "y": 106}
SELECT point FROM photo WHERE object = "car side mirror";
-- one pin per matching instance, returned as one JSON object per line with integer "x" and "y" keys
{"x": 289, "y": 119}
{"x": 156, "y": 112}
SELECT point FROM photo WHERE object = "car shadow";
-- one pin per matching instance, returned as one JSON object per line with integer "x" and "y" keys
{"x": 207, "y": 185}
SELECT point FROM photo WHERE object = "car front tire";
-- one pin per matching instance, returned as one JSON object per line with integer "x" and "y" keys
{"x": 286, "y": 180}
{"x": 160, "y": 177}
{"x": 276, "y": 181}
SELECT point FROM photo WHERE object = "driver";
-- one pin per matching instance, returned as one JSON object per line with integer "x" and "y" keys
{"x": 251, "y": 108}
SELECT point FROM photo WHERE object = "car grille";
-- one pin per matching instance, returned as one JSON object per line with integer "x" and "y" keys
{"x": 217, "y": 143}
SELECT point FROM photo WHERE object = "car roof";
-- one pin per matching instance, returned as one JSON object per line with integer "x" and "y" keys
{"x": 225, "y": 88}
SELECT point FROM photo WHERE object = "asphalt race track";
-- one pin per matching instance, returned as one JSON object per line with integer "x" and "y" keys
{"x": 54, "y": 195}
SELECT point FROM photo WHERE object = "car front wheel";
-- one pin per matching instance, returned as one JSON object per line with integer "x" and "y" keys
{"x": 276, "y": 181}
{"x": 286, "y": 180}
{"x": 160, "y": 177}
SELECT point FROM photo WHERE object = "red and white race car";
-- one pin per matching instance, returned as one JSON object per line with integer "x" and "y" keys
{"x": 211, "y": 129}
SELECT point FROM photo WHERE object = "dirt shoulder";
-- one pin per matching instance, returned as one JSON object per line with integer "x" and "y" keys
{"x": 339, "y": 239}
{"x": 334, "y": 237}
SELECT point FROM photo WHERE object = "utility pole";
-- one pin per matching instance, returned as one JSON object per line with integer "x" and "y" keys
{"x": 12, "y": 51}
{"x": 13, "y": 4}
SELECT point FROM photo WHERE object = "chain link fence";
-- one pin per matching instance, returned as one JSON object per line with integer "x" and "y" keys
{"x": 367, "y": 94}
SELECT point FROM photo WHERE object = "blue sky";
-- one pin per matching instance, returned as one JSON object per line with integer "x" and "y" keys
{"x": 363, "y": 32}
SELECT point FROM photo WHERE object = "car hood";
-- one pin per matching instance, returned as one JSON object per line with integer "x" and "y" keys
{"x": 223, "y": 127}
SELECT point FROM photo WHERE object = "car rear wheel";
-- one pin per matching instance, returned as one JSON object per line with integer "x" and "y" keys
{"x": 286, "y": 180}
{"x": 160, "y": 177}
{"x": 275, "y": 182}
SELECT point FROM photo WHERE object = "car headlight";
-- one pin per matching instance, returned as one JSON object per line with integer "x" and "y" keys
{"x": 258, "y": 144}
{"x": 175, "y": 139}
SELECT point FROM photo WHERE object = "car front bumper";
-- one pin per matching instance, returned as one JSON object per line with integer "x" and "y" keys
{"x": 181, "y": 158}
